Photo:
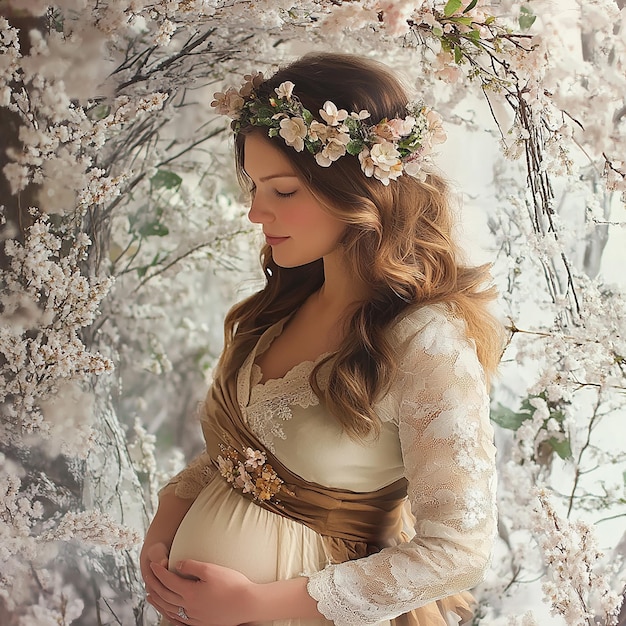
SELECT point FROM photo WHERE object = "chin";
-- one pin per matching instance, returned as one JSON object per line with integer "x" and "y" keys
{"x": 291, "y": 263}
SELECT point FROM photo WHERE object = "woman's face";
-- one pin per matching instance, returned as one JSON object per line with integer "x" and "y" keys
{"x": 295, "y": 224}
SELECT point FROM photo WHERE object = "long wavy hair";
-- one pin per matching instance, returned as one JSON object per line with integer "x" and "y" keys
{"x": 398, "y": 241}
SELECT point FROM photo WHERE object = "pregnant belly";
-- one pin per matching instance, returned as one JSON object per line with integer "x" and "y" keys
{"x": 225, "y": 528}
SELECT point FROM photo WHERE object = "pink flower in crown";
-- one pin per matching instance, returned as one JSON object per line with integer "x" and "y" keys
{"x": 293, "y": 130}
{"x": 251, "y": 83}
{"x": 394, "y": 129}
{"x": 415, "y": 167}
{"x": 334, "y": 149}
{"x": 228, "y": 103}
{"x": 402, "y": 128}
{"x": 385, "y": 131}
{"x": 331, "y": 115}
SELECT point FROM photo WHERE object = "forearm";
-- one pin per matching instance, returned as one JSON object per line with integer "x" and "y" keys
{"x": 167, "y": 519}
{"x": 283, "y": 599}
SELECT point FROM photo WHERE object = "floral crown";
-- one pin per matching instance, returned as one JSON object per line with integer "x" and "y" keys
{"x": 386, "y": 150}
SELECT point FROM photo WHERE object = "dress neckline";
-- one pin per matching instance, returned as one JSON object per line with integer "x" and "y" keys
{"x": 263, "y": 344}
{"x": 256, "y": 379}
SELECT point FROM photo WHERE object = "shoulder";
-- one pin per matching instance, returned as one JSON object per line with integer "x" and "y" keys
{"x": 433, "y": 345}
{"x": 428, "y": 327}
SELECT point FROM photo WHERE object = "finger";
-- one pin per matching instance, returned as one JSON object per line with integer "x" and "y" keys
{"x": 176, "y": 619}
{"x": 168, "y": 611}
{"x": 194, "y": 570}
{"x": 164, "y": 584}
{"x": 153, "y": 584}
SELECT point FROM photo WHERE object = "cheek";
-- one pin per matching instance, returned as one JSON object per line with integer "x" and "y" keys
{"x": 311, "y": 217}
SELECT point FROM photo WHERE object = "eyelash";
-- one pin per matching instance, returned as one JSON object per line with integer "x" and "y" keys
{"x": 277, "y": 193}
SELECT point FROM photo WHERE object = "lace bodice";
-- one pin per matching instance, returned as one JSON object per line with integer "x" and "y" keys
{"x": 270, "y": 403}
{"x": 437, "y": 413}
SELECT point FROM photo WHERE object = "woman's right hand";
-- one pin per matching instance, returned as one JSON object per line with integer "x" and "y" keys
{"x": 154, "y": 553}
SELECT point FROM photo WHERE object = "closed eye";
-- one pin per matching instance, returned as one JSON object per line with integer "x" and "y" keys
{"x": 283, "y": 195}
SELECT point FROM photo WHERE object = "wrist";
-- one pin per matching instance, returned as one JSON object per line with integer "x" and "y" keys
{"x": 282, "y": 599}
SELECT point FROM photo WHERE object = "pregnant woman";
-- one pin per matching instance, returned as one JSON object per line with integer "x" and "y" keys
{"x": 348, "y": 475}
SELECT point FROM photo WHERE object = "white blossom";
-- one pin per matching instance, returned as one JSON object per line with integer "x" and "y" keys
{"x": 284, "y": 90}
{"x": 293, "y": 130}
{"x": 331, "y": 115}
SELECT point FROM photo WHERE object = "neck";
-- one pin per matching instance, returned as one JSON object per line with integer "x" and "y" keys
{"x": 341, "y": 289}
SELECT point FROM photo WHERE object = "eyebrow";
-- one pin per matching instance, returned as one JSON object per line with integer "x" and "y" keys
{"x": 264, "y": 178}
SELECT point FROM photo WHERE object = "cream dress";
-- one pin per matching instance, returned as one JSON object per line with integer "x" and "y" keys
{"x": 436, "y": 432}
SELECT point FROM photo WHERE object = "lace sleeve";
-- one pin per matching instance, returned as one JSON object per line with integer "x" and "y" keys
{"x": 449, "y": 460}
{"x": 188, "y": 483}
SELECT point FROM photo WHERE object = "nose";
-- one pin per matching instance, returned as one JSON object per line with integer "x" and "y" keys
{"x": 259, "y": 213}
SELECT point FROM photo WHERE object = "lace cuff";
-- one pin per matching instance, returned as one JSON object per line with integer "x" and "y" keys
{"x": 188, "y": 483}
{"x": 330, "y": 601}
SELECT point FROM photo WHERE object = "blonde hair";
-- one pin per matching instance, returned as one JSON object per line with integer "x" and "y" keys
{"x": 398, "y": 241}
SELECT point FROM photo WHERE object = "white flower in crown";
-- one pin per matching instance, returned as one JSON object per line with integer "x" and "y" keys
{"x": 386, "y": 149}
{"x": 334, "y": 149}
{"x": 293, "y": 130}
{"x": 331, "y": 115}
{"x": 318, "y": 131}
{"x": 386, "y": 160}
{"x": 385, "y": 155}
{"x": 284, "y": 90}
{"x": 228, "y": 102}
{"x": 367, "y": 164}
{"x": 389, "y": 173}
{"x": 361, "y": 115}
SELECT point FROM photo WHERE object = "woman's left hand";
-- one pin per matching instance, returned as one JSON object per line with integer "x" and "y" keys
{"x": 210, "y": 595}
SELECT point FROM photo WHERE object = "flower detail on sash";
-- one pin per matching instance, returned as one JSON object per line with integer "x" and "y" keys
{"x": 249, "y": 472}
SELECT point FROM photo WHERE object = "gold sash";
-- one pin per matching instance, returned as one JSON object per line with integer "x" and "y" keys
{"x": 352, "y": 525}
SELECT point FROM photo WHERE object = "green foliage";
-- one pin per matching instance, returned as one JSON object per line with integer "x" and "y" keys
{"x": 99, "y": 111}
{"x": 512, "y": 420}
{"x": 354, "y": 147}
{"x": 154, "y": 229}
{"x": 165, "y": 179}
{"x": 452, "y": 6}
{"x": 561, "y": 446}
{"x": 474, "y": 37}
{"x": 526, "y": 17}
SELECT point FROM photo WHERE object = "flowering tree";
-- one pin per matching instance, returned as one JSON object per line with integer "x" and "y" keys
{"x": 123, "y": 244}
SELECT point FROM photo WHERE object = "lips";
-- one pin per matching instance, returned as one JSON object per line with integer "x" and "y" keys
{"x": 274, "y": 241}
